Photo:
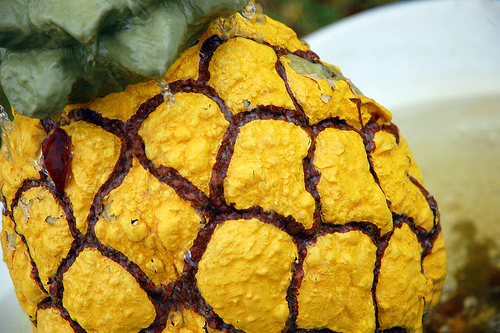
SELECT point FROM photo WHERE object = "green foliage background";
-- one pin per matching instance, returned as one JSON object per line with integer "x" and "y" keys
{"x": 306, "y": 16}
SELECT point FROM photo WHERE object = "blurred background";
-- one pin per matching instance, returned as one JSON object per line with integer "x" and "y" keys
{"x": 306, "y": 16}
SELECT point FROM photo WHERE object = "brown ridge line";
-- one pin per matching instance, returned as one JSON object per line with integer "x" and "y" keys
{"x": 170, "y": 176}
{"x": 201, "y": 87}
{"x": 285, "y": 224}
{"x": 46, "y": 303}
{"x": 367, "y": 228}
{"x": 144, "y": 110}
{"x": 429, "y": 198}
{"x": 27, "y": 185}
{"x": 392, "y": 129}
{"x": 311, "y": 180}
{"x": 121, "y": 167}
{"x": 210, "y": 45}
{"x": 392, "y": 330}
{"x": 56, "y": 286}
{"x": 314, "y": 330}
{"x": 73, "y": 323}
{"x": 49, "y": 303}
{"x": 34, "y": 274}
{"x": 382, "y": 244}
{"x": 186, "y": 295}
{"x": 271, "y": 112}
{"x": 65, "y": 203}
{"x": 206, "y": 52}
{"x": 332, "y": 122}
{"x": 357, "y": 101}
{"x": 372, "y": 231}
{"x": 156, "y": 294}
{"x": 182, "y": 186}
{"x": 115, "y": 179}
{"x": 5, "y": 211}
{"x": 280, "y": 69}
{"x": 368, "y": 134}
{"x": 221, "y": 166}
{"x": 49, "y": 124}
{"x": 425, "y": 238}
{"x": 307, "y": 55}
{"x": 293, "y": 288}
{"x": 114, "y": 126}
{"x": 142, "y": 279}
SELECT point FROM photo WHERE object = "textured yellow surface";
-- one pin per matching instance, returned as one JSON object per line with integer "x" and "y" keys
{"x": 50, "y": 321}
{"x": 150, "y": 224}
{"x": 262, "y": 173}
{"x": 20, "y": 153}
{"x": 434, "y": 266}
{"x": 322, "y": 98}
{"x": 401, "y": 286}
{"x": 121, "y": 105}
{"x": 103, "y": 297}
{"x": 336, "y": 290}
{"x": 244, "y": 70}
{"x": 245, "y": 272}
{"x": 89, "y": 174}
{"x": 253, "y": 189}
{"x": 183, "y": 67}
{"x": 186, "y": 136}
{"x": 392, "y": 166}
{"x": 341, "y": 158}
{"x": 43, "y": 223}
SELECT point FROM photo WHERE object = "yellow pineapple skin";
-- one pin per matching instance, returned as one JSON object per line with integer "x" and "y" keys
{"x": 235, "y": 195}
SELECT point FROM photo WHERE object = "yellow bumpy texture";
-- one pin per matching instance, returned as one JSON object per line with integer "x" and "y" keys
{"x": 262, "y": 173}
{"x": 245, "y": 273}
{"x": 43, "y": 224}
{"x": 103, "y": 297}
{"x": 150, "y": 224}
{"x": 336, "y": 289}
{"x": 340, "y": 159}
{"x": 252, "y": 189}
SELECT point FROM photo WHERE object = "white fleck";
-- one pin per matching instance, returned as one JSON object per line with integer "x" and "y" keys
{"x": 248, "y": 105}
{"x": 325, "y": 99}
{"x": 315, "y": 77}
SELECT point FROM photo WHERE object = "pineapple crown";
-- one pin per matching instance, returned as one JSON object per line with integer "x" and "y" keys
{"x": 55, "y": 52}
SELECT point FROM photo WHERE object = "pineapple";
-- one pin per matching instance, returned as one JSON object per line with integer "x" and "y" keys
{"x": 252, "y": 189}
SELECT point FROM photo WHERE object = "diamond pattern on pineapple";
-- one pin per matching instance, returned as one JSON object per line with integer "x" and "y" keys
{"x": 253, "y": 189}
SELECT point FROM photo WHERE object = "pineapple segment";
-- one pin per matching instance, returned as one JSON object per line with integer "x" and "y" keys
{"x": 247, "y": 265}
{"x": 336, "y": 290}
{"x": 341, "y": 159}
{"x": 103, "y": 297}
{"x": 263, "y": 174}
{"x": 392, "y": 166}
{"x": 401, "y": 301}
